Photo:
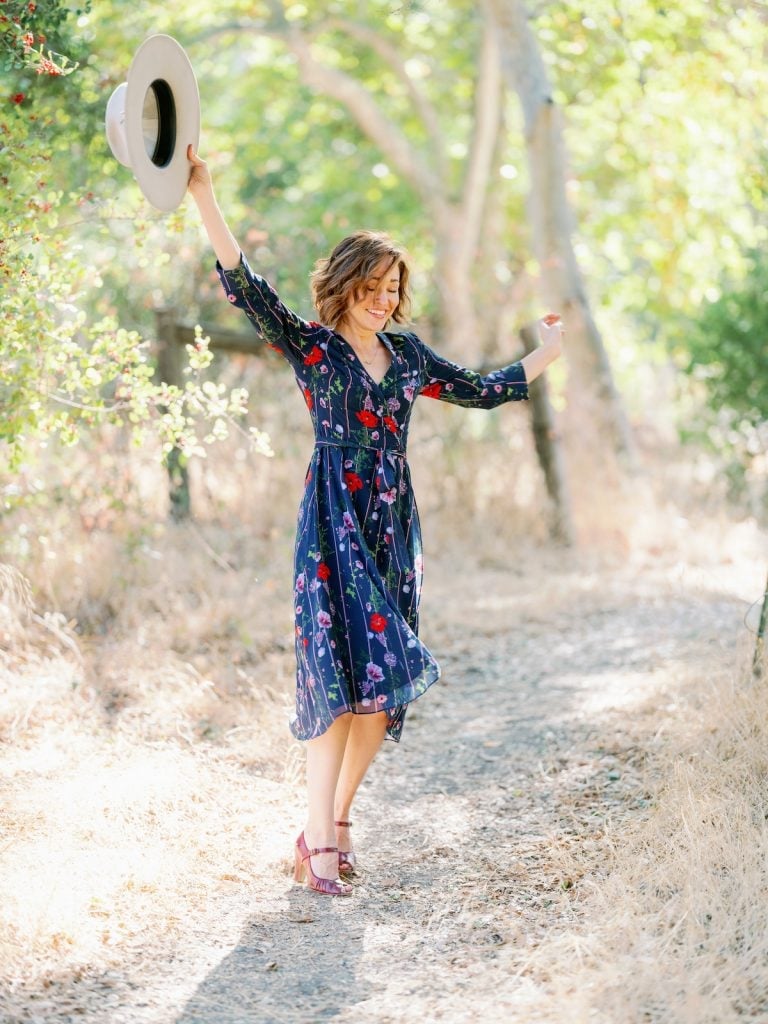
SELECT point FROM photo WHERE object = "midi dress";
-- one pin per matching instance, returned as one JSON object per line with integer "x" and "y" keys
{"x": 358, "y": 554}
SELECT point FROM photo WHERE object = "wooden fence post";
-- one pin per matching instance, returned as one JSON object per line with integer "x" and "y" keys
{"x": 170, "y": 361}
{"x": 548, "y": 449}
{"x": 758, "y": 660}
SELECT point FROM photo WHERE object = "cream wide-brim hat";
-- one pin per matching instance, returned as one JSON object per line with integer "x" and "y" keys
{"x": 152, "y": 117}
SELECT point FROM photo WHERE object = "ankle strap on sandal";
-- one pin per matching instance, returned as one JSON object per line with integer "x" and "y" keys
{"x": 320, "y": 849}
{"x": 344, "y": 824}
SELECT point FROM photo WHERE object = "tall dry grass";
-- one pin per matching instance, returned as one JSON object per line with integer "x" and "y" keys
{"x": 668, "y": 922}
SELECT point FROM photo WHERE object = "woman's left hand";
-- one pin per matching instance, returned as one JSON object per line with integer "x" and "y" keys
{"x": 551, "y": 331}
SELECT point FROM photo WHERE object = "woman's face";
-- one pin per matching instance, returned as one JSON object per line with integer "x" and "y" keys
{"x": 378, "y": 300}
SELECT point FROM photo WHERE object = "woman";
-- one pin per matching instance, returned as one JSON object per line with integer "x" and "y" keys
{"x": 358, "y": 544}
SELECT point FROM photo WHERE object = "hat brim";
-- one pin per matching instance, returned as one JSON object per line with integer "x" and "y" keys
{"x": 162, "y": 84}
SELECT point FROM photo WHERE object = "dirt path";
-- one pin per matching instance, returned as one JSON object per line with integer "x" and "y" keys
{"x": 517, "y": 754}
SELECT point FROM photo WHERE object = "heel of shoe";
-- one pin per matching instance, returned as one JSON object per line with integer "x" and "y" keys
{"x": 298, "y": 867}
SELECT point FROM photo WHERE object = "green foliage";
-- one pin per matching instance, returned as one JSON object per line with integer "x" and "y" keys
{"x": 65, "y": 365}
{"x": 728, "y": 346}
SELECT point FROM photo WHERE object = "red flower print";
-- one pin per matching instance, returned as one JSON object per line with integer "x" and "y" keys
{"x": 367, "y": 418}
{"x": 314, "y": 323}
{"x": 353, "y": 482}
{"x": 314, "y": 356}
{"x": 307, "y": 398}
{"x": 390, "y": 424}
{"x": 377, "y": 623}
{"x": 323, "y": 571}
{"x": 305, "y": 641}
{"x": 432, "y": 390}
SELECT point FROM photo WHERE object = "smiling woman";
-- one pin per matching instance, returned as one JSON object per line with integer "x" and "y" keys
{"x": 358, "y": 560}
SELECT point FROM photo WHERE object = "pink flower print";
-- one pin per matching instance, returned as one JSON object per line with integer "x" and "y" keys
{"x": 389, "y": 496}
{"x": 311, "y": 680}
{"x": 375, "y": 435}
{"x": 232, "y": 298}
{"x": 348, "y": 521}
{"x": 390, "y": 659}
{"x": 408, "y": 392}
{"x": 497, "y": 388}
{"x": 365, "y": 702}
{"x": 323, "y": 619}
{"x": 300, "y": 583}
{"x": 392, "y": 404}
{"x": 374, "y": 672}
{"x": 381, "y": 699}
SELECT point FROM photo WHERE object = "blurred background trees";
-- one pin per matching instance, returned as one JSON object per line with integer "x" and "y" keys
{"x": 641, "y": 208}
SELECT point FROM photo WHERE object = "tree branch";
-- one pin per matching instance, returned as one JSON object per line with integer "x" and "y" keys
{"x": 370, "y": 119}
{"x": 487, "y": 124}
{"x": 390, "y": 55}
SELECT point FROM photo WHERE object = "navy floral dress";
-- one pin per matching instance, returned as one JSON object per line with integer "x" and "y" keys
{"x": 358, "y": 561}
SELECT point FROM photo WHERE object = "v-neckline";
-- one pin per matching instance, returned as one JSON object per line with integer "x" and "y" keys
{"x": 385, "y": 341}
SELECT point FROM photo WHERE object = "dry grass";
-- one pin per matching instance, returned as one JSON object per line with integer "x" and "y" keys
{"x": 150, "y": 790}
{"x": 669, "y": 923}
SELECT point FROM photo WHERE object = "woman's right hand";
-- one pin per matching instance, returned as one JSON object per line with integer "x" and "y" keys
{"x": 200, "y": 183}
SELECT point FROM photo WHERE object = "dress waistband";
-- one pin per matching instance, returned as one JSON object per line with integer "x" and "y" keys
{"x": 321, "y": 442}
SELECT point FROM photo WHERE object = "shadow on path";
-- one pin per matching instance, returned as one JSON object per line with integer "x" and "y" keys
{"x": 296, "y": 963}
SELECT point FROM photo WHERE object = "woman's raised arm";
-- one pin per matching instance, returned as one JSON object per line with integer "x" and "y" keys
{"x": 200, "y": 187}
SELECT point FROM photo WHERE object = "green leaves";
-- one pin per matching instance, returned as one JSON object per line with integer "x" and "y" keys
{"x": 728, "y": 346}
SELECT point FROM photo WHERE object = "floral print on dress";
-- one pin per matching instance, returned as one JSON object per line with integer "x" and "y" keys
{"x": 358, "y": 554}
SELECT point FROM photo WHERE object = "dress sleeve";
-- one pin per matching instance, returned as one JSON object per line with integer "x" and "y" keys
{"x": 450, "y": 382}
{"x": 279, "y": 326}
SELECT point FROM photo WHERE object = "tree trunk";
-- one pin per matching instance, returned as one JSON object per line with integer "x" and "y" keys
{"x": 591, "y": 386}
{"x": 548, "y": 451}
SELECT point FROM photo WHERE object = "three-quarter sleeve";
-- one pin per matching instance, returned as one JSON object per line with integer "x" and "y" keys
{"x": 450, "y": 382}
{"x": 279, "y": 326}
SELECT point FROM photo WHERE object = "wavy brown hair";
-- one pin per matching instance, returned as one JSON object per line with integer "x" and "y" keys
{"x": 350, "y": 266}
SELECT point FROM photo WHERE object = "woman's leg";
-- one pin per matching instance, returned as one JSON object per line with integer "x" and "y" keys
{"x": 366, "y": 733}
{"x": 325, "y": 755}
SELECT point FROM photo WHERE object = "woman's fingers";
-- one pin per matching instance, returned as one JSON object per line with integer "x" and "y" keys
{"x": 193, "y": 157}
